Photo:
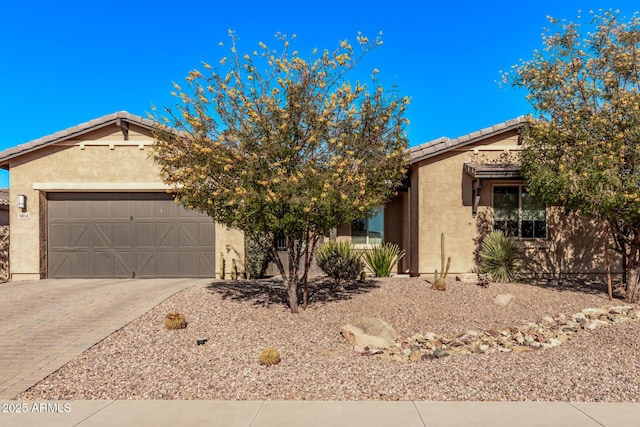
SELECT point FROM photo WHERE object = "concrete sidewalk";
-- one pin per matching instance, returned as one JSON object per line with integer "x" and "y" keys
{"x": 316, "y": 414}
{"x": 48, "y": 323}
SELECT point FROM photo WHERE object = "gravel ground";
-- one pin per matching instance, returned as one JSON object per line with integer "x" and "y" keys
{"x": 146, "y": 361}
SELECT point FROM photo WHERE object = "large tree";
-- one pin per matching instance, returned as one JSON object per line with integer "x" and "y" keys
{"x": 582, "y": 150}
{"x": 272, "y": 143}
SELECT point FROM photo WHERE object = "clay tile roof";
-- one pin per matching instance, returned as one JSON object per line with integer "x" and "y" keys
{"x": 73, "y": 132}
{"x": 443, "y": 144}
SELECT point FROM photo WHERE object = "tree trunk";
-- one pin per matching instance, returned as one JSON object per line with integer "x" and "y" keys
{"x": 632, "y": 287}
{"x": 607, "y": 262}
{"x": 292, "y": 294}
{"x": 305, "y": 293}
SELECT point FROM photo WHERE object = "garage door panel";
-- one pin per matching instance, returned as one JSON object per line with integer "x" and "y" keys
{"x": 103, "y": 236}
{"x": 207, "y": 232}
{"x": 145, "y": 234}
{"x": 122, "y": 236}
{"x": 165, "y": 236}
{"x": 127, "y": 235}
{"x": 77, "y": 210}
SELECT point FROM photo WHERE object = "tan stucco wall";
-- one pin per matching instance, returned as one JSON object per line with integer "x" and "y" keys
{"x": 99, "y": 161}
{"x": 574, "y": 245}
{"x": 445, "y": 202}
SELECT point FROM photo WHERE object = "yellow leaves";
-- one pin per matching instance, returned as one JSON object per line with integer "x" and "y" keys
{"x": 262, "y": 45}
{"x": 227, "y": 167}
{"x": 344, "y": 43}
{"x": 223, "y": 60}
{"x": 307, "y": 209}
{"x": 177, "y": 86}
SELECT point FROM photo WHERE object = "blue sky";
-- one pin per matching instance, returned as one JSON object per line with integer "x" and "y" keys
{"x": 67, "y": 62}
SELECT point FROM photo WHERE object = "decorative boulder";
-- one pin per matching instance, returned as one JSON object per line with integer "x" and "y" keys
{"x": 369, "y": 332}
{"x": 503, "y": 300}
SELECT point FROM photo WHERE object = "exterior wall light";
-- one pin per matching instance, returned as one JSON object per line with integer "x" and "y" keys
{"x": 22, "y": 201}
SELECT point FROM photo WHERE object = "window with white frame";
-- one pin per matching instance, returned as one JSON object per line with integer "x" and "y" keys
{"x": 368, "y": 231}
{"x": 517, "y": 213}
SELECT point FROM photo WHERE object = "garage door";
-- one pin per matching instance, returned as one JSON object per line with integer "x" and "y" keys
{"x": 100, "y": 235}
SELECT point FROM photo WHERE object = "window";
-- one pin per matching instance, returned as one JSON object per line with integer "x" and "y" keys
{"x": 518, "y": 214}
{"x": 368, "y": 231}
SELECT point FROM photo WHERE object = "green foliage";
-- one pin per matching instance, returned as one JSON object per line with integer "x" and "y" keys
{"x": 221, "y": 266}
{"x": 175, "y": 320}
{"x": 499, "y": 257}
{"x": 582, "y": 150}
{"x": 257, "y": 250}
{"x": 440, "y": 282}
{"x": 273, "y": 142}
{"x": 269, "y": 357}
{"x": 381, "y": 259}
{"x": 340, "y": 261}
{"x": 234, "y": 269}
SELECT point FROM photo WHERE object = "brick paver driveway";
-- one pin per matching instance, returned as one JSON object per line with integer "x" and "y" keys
{"x": 47, "y": 323}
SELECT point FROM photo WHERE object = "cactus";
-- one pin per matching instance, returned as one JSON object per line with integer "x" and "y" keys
{"x": 174, "y": 320}
{"x": 221, "y": 262}
{"x": 234, "y": 269}
{"x": 440, "y": 282}
{"x": 269, "y": 356}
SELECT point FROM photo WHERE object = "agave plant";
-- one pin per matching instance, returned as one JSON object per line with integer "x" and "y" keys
{"x": 499, "y": 257}
{"x": 381, "y": 259}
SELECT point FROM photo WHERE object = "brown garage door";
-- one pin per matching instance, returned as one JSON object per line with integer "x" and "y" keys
{"x": 95, "y": 235}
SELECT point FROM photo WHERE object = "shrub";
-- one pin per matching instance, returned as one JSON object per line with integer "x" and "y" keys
{"x": 174, "y": 320}
{"x": 499, "y": 257}
{"x": 382, "y": 258}
{"x": 269, "y": 356}
{"x": 257, "y": 250}
{"x": 340, "y": 261}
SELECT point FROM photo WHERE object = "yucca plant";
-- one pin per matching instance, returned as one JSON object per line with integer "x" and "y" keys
{"x": 340, "y": 261}
{"x": 381, "y": 258}
{"x": 499, "y": 257}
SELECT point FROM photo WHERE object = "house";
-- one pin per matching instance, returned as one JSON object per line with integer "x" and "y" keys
{"x": 88, "y": 202}
{"x": 469, "y": 186}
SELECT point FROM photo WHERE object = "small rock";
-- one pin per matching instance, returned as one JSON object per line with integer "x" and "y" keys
{"x": 503, "y": 300}
{"x": 594, "y": 324}
{"x": 492, "y": 333}
{"x": 439, "y": 353}
{"x": 415, "y": 356}
{"x": 553, "y": 342}
{"x": 467, "y": 278}
{"x": 521, "y": 349}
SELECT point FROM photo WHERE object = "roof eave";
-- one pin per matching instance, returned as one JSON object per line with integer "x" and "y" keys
{"x": 444, "y": 145}
{"x": 73, "y": 132}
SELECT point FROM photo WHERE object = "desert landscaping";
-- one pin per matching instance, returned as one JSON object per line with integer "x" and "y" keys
{"x": 458, "y": 344}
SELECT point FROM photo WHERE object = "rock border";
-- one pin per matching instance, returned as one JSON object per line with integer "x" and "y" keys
{"x": 548, "y": 332}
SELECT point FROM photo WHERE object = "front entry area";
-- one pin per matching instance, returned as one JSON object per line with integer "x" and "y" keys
{"x": 124, "y": 235}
